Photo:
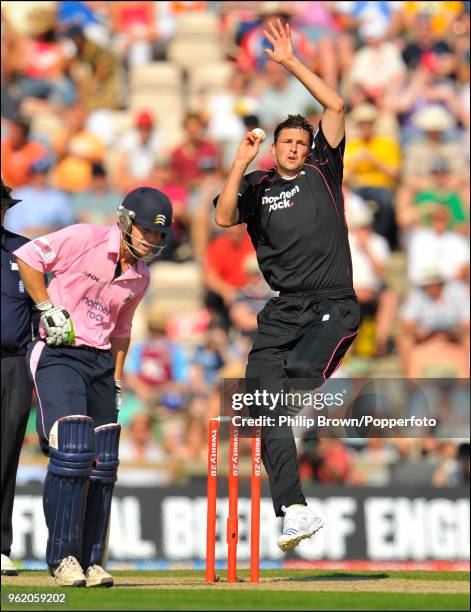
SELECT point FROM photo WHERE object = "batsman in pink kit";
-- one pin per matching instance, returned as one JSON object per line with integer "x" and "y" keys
{"x": 98, "y": 276}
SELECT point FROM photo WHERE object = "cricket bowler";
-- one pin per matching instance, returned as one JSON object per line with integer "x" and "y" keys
{"x": 98, "y": 276}
{"x": 295, "y": 217}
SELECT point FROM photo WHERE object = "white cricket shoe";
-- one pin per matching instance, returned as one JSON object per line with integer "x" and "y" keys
{"x": 8, "y": 567}
{"x": 299, "y": 523}
{"x": 68, "y": 573}
{"x": 97, "y": 577}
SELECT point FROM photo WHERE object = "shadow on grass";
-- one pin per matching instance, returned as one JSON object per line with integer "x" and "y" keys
{"x": 344, "y": 577}
{"x": 156, "y": 583}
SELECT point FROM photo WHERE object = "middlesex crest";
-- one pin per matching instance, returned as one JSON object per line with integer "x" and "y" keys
{"x": 159, "y": 219}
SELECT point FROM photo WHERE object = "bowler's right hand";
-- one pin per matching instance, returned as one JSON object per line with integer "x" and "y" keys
{"x": 248, "y": 149}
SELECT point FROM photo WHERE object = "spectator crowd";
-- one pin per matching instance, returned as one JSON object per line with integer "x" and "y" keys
{"x": 100, "y": 97}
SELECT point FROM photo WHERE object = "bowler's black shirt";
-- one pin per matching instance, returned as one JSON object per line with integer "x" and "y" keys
{"x": 16, "y": 306}
{"x": 298, "y": 226}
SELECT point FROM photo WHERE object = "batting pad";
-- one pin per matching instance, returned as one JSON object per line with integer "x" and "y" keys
{"x": 102, "y": 479}
{"x": 71, "y": 456}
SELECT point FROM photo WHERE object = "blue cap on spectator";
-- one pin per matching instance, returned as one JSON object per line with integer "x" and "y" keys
{"x": 172, "y": 400}
{"x": 44, "y": 164}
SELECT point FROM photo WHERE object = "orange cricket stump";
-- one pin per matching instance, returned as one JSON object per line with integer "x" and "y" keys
{"x": 213, "y": 437}
{"x": 233, "y": 519}
{"x": 255, "y": 506}
{"x": 232, "y": 534}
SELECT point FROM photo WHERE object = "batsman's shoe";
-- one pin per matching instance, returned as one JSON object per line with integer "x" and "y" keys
{"x": 69, "y": 573}
{"x": 8, "y": 567}
{"x": 97, "y": 577}
{"x": 299, "y": 523}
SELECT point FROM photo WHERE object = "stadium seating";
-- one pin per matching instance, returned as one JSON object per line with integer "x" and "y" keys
{"x": 178, "y": 286}
{"x": 194, "y": 51}
{"x": 156, "y": 75}
{"x": 211, "y": 77}
{"x": 202, "y": 24}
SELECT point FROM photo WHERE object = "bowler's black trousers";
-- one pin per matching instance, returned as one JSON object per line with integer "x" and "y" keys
{"x": 300, "y": 336}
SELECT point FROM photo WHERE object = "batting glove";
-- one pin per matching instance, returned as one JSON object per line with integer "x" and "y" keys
{"x": 57, "y": 324}
{"x": 117, "y": 386}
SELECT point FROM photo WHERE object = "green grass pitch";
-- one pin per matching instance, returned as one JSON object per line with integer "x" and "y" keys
{"x": 278, "y": 590}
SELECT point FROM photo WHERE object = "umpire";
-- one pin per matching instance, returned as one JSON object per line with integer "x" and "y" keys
{"x": 16, "y": 313}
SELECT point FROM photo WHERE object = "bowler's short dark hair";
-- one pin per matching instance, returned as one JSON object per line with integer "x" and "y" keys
{"x": 296, "y": 121}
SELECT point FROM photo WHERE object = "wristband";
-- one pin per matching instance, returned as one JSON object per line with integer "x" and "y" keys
{"x": 45, "y": 306}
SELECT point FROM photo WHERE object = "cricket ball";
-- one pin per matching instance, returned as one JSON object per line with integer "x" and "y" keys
{"x": 260, "y": 133}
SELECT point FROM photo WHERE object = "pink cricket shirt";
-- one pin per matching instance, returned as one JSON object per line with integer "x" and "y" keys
{"x": 82, "y": 259}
